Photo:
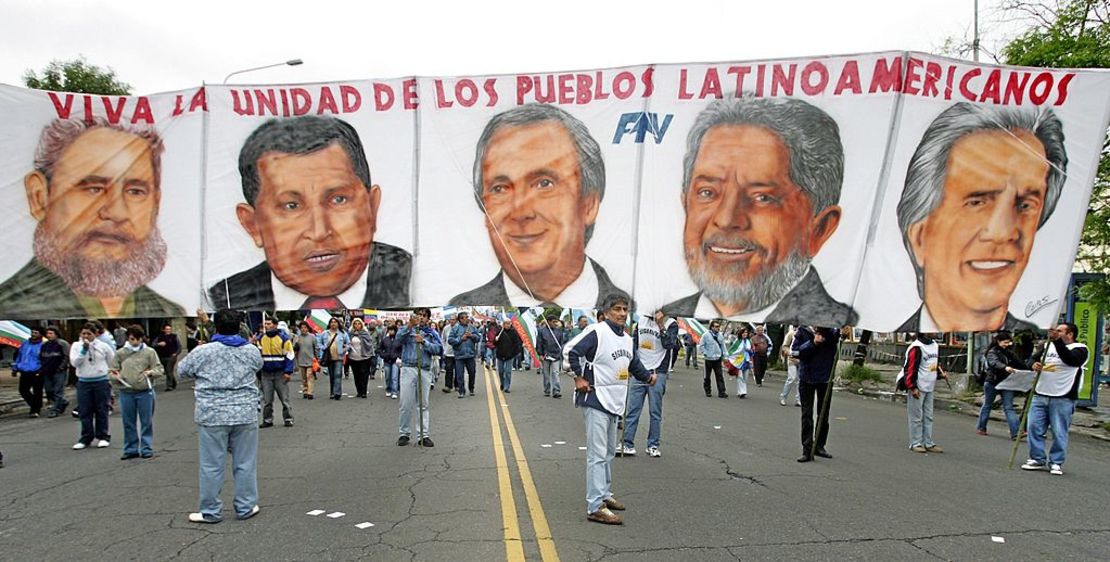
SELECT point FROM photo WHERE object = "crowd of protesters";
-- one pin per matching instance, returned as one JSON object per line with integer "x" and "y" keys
{"x": 238, "y": 372}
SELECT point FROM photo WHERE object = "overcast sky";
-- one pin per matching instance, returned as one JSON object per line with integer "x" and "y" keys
{"x": 158, "y": 46}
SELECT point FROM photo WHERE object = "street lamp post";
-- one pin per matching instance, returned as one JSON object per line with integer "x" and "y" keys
{"x": 290, "y": 62}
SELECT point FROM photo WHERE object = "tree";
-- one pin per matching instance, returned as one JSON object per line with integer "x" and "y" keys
{"x": 77, "y": 76}
{"x": 1073, "y": 34}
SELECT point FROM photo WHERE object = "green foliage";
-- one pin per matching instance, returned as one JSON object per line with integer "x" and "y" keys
{"x": 1073, "y": 34}
{"x": 77, "y": 76}
{"x": 860, "y": 373}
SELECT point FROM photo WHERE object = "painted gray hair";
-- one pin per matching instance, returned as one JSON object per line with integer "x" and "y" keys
{"x": 811, "y": 136}
{"x": 59, "y": 134}
{"x": 924, "y": 188}
{"x": 591, "y": 167}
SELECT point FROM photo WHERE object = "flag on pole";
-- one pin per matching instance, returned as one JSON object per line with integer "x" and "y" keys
{"x": 318, "y": 320}
{"x": 692, "y": 327}
{"x": 13, "y": 333}
{"x": 525, "y": 325}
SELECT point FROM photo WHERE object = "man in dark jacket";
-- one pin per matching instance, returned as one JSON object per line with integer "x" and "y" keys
{"x": 507, "y": 345}
{"x": 816, "y": 350}
{"x": 168, "y": 346}
{"x": 549, "y": 349}
{"x": 55, "y": 366}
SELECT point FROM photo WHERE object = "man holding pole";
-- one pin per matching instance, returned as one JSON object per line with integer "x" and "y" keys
{"x": 419, "y": 343}
{"x": 816, "y": 350}
{"x": 1054, "y": 397}
{"x": 602, "y": 359}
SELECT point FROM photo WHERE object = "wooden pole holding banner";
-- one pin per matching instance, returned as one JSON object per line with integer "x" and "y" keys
{"x": 824, "y": 402}
{"x": 1024, "y": 419}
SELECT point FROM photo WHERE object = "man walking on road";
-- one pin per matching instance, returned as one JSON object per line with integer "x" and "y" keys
{"x": 656, "y": 341}
{"x": 305, "y": 349}
{"x": 465, "y": 340}
{"x": 816, "y": 350}
{"x": 549, "y": 348}
{"x": 791, "y": 369}
{"x": 507, "y": 345}
{"x": 761, "y": 351}
{"x": 55, "y": 369}
{"x": 277, "y": 370}
{"x": 602, "y": 360}
{"x": 28, "y": 367}
{"x": 226, "y": 415}
{"x": 691, "y": 349}
{"x": 167, "y": 345}
{"x": 712, "y": 347}
{"x": 419, "y": 343}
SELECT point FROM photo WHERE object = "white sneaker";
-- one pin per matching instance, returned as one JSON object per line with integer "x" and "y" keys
{"x": 782, "y": 401}
{"x": 1033, "y": 465}
{"x": 103, "y": 444}
{"x": 1056, "y": 469}
{"x": 654, "y": 452}
{"x": 78, "y": 446}
{"x": 627, "y": 451}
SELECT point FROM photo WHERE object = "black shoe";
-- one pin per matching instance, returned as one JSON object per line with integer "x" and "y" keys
{"x": 472, "y": 393}
{"x": 556, "y": 395}
{"x": 147, "y": 455}
{"x": 362, "y": 396}
{"x": 507, "y": 391}
{"x": 427, "y": 442}
{"x": 52, "y": 414}
{"x": 445, "y": 389}
{"x": 309, "y": 397}
{"x": 288, "y": 423}
{"x": 722, "y": 395}
{"x": 129, "y": 456}
{"x": 169, "y": 388}
{"x": 709, "y": 395}
{"x": 823, "y": 454}
{"x": 266, "y": 424}
{"x": 805, "y": 458}
{"x": 403, "y": 440}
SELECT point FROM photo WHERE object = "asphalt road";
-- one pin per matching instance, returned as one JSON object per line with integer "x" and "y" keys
{"x": 726, "y": 488}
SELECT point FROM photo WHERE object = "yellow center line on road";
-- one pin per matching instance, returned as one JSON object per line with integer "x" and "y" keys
{"x": 539, "y": 520}
{"x": 514, "y": 548}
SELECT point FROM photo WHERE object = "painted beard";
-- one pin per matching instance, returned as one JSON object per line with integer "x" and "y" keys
{"x": 767, "y": 288}
{"x": 102, "y": 278}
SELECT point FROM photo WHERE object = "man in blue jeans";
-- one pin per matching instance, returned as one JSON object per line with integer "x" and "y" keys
{"x": 1054, "y": 398}
{"x": 465, "y": 339}
{"x": 656, "y": 339}
{"x": 226, "y": 415}
{"x": 507, "y": 345}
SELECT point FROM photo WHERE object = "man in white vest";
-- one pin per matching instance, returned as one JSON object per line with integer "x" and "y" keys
{"x": 656, "y": 339}
{"x": 1054, "y": 398}
{"x": 602, "y": 360}
{"x": 919, "y": 379}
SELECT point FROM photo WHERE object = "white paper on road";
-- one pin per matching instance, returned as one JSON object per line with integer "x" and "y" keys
{"x": 560, "y": 442}
{"x": 336, "y": 515}
{"x": 581, "y": 448}
{"x": 716, "y": 427}
{"x": 998, "y": 539}
{"x": 546, "y": 445}
{"x": 315, "y": 512}
{"x": 365, "y": 525}
{"x": 1020, "y": 381}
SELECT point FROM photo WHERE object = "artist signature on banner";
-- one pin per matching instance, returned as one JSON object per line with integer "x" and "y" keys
{"x": 1033, "y": 307}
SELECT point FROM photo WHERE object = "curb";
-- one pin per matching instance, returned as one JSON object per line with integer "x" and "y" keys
{"x": 960, "y": 407}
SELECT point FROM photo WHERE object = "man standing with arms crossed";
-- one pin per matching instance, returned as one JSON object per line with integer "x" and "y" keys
{"x": 602, "y": 360}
